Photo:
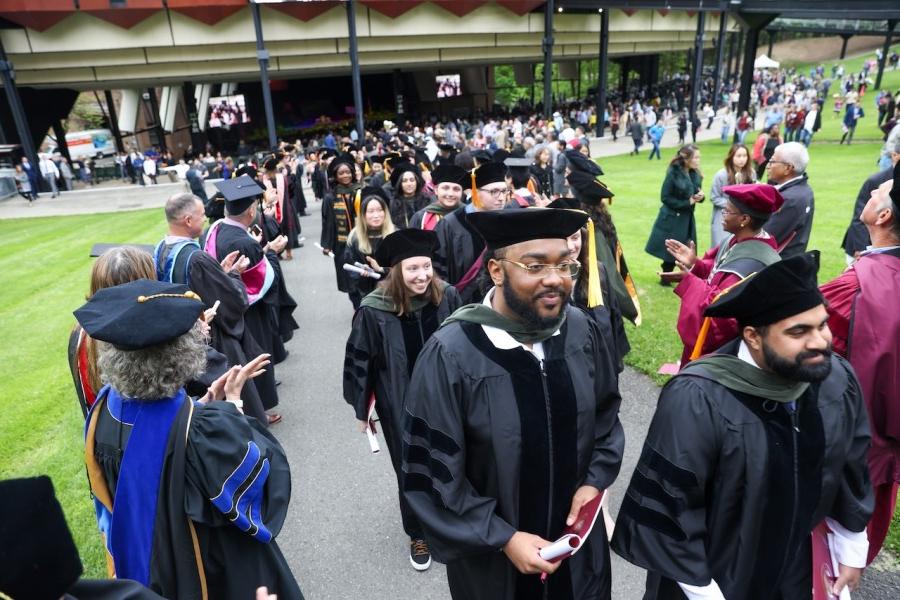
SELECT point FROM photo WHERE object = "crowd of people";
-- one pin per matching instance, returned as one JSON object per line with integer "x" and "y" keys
{"x": 490, "y": 289}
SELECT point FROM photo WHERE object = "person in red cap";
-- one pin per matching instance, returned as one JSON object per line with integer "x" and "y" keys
{"x": 747, "y": 249}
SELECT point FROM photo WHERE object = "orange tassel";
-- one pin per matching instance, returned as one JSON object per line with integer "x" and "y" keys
{"x": 697, "y": 352}
{"x": 476, "y": 202}
{"x": 357, "y": 202}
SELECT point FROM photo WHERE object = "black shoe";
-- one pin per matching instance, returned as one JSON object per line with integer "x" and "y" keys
{"x": 419, "y": 554}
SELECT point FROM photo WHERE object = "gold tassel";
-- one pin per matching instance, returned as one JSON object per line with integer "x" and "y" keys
{"x": 594, "y": 291}
{"x": 476, "y": 202}
{"x": 531, "y": 189}
{"x": 357, "y": 202}
{"x": 697, "y": 352}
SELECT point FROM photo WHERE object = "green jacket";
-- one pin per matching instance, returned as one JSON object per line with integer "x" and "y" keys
{"x": 676, "y": 215}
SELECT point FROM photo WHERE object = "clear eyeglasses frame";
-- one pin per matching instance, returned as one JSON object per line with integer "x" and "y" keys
{"x": 540, "y": 270}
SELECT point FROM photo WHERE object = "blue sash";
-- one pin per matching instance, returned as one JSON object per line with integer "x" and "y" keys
{"x": 164, "y": 271}
{"x": 130, "y": 537}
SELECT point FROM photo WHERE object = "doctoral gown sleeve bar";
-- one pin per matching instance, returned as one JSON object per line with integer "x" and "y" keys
{"x": 363, "y": 347}
{"x": 237, "y": 473}
{"x": 662, "y": 522}
{"x": 458, "y": 521}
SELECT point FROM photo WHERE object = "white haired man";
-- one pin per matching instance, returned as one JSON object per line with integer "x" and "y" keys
{"x": 792, "y": 224}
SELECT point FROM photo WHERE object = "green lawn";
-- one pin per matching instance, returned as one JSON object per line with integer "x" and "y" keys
{"x": 44, "y": 269}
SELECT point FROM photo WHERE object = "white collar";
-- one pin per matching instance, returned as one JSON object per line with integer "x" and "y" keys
{"x": 781, "y": 185}
{"x": 744, "y": 354}
{"x": 502, "y": 340}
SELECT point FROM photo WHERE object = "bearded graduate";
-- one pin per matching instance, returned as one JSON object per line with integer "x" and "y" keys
{"x": 747, "y": 249}
{"x": 512, "y": 421}
{"x": 389, "y": 330}
{"x": 449, "y": 182}
{"x": 189, "y": 495}
{"x": 461, "y": 250}
{"x": 749, "y": 450}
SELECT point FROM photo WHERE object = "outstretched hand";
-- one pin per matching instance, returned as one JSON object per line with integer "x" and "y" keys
{"x": 685, "y": 255}
{"x": 237, "y": 376}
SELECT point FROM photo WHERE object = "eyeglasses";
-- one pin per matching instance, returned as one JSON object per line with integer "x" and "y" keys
{"x": 728, "y": 213}
{"x": 776, "y": 162}
{"x": 539, "y": 271}
{"x": 494, "y": 193}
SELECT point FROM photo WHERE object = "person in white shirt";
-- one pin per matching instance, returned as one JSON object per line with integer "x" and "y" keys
{"x": 50, "y": 173}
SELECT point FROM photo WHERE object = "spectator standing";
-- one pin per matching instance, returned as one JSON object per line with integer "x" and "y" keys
{"x": 811, "y": 124}
{"x": 792, "y": 224}
{"x": 636, "y": 131}
{"x": 736, "y": 171}
{"x": 852, "y": 115}
{"x": 23, "y": 184}
{"x": 50, "y": 173}
{"x": 150, "y": 169}
{"x": 655, "y": 133}
{"x": 744, "y": 125}
{"x": 66, "y": 172}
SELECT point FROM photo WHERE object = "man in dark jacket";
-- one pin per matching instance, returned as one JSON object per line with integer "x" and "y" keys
{"x": 792, "y": 224}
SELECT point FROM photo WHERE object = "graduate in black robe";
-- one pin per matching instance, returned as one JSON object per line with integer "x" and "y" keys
{"x": 742, "y": 462}
{"x": 513, "y": 422}
{"x": 460, "y": 252}
{"x": 189, "y": 496}
{"x": 262, "y": 276}
{"x": 384, "y": 343}
{"x": 339, "y": 213}
{"x": 179, "y": 259}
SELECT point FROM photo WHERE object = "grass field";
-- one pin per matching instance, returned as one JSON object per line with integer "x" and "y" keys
{"x": 44, "y": 269}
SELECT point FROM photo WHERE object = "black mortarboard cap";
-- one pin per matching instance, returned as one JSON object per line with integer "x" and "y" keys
{"x": 271, "y": 162}
{"x": 588, "y": 189}
{"x": 446, "y": 147}
{"x": 404, "y": 244}
{"x": 401, "y": 168}
{"x": 327, "y": 153}
{"x": 370, "y": 191}
{"x": 776, "y": 292}
{"x": 568, "y": 203}
{"x": 248, "y": 170}
{"x": 342, "y": 159}
{"x": 481, "y": 156}
{"x": 518, "y": 162}
{"x": 452, "y": 174}
{"x": 140, "y": 313}
{"x": 488, "y": 173}
{"x": 580, "y": 162}
{"x": 394, "y": 159}
{"x": 501, "y": 228}
{"x": 239, "y": 193}
{"x": 39, "y": 557}
{"x": 499, "y": 156}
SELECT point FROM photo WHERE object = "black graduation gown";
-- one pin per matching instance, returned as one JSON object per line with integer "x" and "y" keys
{"x": 289, "y": 225}
{"x": 459, "y": 246}
{"x": 188, "y": 528}
{"x": 298, "y": 197}
{"x": 402, "y": 209}
{"x": 334, "y": 234}
{"x": 229, "y": 336}
{"x": 261, "y": 317}
{"x": 357, "y": 285}
{"x": 609, "y": 320}
{"x": 727, "y": 489}
{"x": 478, "y": 462}
{"x": 380, "y": 354}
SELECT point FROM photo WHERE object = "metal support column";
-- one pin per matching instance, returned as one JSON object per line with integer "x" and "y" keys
{"x": 720, "y": 56}
{"x": 8, "y": 76}
{"x": 548, "y": 58}
{"x": 697, "y": 71}
{"x": 844, "y": 39}
{"x": 154, "y": 108}
{"x": 751, "y": 43}
{"x": 60, "y": 132}
{"x": 772, "y": 35}
{"x": 732, "y": 42}
{"x": 603, "y": 68}
{"x": 884, "y": 52}
{"x": 739, "y": 53}
{"x": 262, "y": 55}
{"x": 354, "y": 71}
{"x": 113, "y": 119}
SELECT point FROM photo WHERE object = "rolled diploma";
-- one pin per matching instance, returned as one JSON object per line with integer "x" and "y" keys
{"x": 373, "y": 441}
{"x": 367, "y": 272}
{"x": 319, "y": 246}
{"x": 562, "y": 547}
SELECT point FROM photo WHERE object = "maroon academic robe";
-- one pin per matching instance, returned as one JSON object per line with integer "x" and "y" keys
{"x": 700, "y": 287}
{"x": 869, "y": 337}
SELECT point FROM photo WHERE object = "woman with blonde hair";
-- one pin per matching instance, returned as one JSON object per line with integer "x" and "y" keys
{"x": 373, "y": 223}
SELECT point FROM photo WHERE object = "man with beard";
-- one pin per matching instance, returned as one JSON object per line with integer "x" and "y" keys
{"x": 869, "y": 337}
{"x": 461, "y": 249}
{"x": 513, "y": 423}
{"x": 750, "y": 449}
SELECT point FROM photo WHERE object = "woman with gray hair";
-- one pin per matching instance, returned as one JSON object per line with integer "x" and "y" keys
{"x": 189, "y": 494}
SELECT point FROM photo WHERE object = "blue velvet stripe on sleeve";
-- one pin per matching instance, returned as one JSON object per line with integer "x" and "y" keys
{"x": 241, "y": 496}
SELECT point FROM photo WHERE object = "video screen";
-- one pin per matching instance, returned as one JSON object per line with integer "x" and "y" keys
{"x": 448, "y": 86}
{"x": 225, "y": 111}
